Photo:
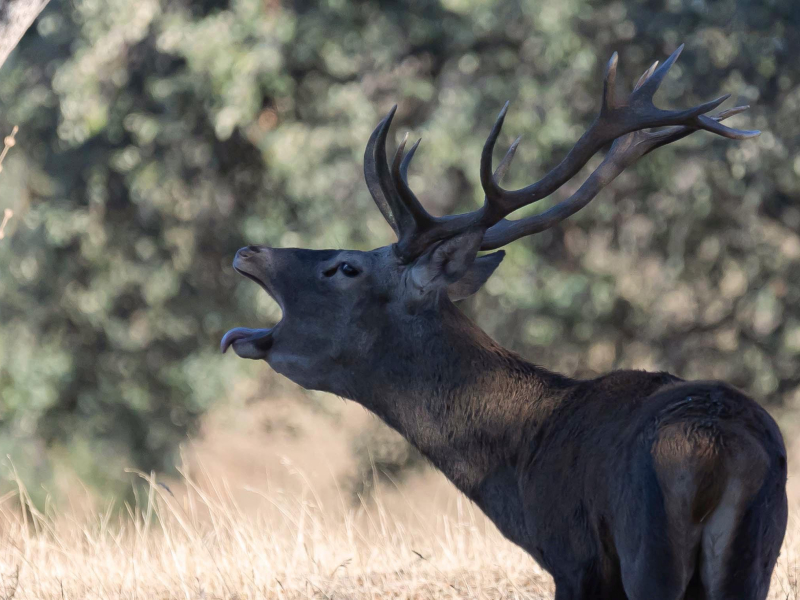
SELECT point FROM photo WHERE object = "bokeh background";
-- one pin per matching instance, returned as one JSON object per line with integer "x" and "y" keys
{"x": 157, "y": 137}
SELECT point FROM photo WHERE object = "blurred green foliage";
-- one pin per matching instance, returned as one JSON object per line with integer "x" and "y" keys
{"x": 158, "y": 136}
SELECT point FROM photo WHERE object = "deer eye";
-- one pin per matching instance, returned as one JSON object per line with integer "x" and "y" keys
{"x": 348, "y": 270}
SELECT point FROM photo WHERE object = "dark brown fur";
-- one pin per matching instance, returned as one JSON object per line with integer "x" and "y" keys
{"x": 631, "y": 485}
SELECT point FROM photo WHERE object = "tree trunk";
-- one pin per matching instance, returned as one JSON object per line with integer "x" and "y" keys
{"x": 15, "y": 18}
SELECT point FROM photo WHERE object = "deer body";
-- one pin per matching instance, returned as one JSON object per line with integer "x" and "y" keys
{"x": 568, "y": 468}
{"x": 633, "y": 485}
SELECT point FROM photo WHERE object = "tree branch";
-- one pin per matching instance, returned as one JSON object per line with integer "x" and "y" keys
{"x": 15, "y": 18}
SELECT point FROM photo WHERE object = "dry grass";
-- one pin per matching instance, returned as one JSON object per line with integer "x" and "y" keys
{"x": 193, "y": 540}
{"x": 196, "y": 542}
{"x": 280, "y": 529}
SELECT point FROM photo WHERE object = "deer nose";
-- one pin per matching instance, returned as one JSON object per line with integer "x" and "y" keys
{"x": 249, "y": 251}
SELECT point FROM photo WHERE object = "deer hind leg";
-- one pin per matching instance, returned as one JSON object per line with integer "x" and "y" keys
{"x": 658, "y": 547}
{"x": 742, "y": 538}
{"x": 657, "y": 575}
{"x": 658, "y": 572}
{"x": 677, "y": 484}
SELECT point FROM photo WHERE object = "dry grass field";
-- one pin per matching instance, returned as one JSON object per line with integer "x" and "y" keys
{"x": 198, "y": 543}
{"x": 269, "y": 527}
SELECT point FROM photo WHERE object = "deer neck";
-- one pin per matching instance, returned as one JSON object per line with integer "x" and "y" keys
{"x": 462, "y": 400}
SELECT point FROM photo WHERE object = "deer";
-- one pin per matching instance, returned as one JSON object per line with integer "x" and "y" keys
{"x": 632, "y": 484}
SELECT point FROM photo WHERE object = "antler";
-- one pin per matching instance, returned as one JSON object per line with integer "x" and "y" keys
{"x": 624, "y": 152}
{"x": 619, "y": 121}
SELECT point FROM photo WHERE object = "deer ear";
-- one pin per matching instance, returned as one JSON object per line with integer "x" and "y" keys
{"x": 481, "y": 269}
{"x": 447, "y": 262}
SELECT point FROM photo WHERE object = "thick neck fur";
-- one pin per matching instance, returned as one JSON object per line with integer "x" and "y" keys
{"x": 458, "y": 397}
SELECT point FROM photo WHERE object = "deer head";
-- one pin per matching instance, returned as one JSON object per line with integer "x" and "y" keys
{"x": 351, "y": 318}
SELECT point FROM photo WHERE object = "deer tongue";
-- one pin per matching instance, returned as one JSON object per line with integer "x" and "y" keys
{"x": 247, "y": 343}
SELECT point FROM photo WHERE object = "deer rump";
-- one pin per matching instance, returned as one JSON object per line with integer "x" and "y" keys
{"x": 675, "y": 494}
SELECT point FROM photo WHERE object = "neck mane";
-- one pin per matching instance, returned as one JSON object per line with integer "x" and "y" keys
{"x": 461, "y": 399}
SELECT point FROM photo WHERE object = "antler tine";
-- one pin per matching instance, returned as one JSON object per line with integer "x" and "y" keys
{"x": 616, "y": 119}
{"x": 711, "y": 124}
{"x": 651, "y": 84}
{"x": 501, "y": 169}
{"x": 407, "y": 160}
{"x": 687, "y": 117}
{"x": 375, "y": 169}
{"x": 398, "y": 154}
{"x": 416, "y": 229}
{"x": 729, "y": 112}
{"x": 610, "y": 85}
{"x": 624, "y": 152}
{"x": 422, "y": 220}
{"x": 494, "y": 193}
{"x": 645, "y": 76}
{"x": 388, "y": 186}
{"x": 714, "y": 126}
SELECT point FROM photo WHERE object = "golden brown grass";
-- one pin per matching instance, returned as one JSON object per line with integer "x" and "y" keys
{"x": 193, "y": 540}
{"x": 259, "y": 514}
{"x": 196, "y": 542}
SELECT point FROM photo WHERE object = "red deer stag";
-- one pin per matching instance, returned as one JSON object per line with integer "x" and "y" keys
{"x": 632, "y": 485}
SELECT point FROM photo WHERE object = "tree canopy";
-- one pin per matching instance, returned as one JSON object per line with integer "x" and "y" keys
{"x": 157, "y": 137}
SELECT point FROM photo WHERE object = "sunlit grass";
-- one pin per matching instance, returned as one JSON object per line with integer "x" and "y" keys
{"x": 194, "y": 541}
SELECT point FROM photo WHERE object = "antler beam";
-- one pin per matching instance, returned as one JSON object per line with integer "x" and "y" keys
{"x": 625, "y": 151}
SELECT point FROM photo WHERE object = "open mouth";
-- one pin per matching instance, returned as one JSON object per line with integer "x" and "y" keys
{"x": 249, "y": 343}
{"x": 261, "y": 283}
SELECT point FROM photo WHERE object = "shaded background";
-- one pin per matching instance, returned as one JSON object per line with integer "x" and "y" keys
{"x": 159, "y": 136}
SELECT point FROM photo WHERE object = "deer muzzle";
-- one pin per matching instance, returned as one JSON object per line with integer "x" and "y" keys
{"x": 254, "y": 263}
